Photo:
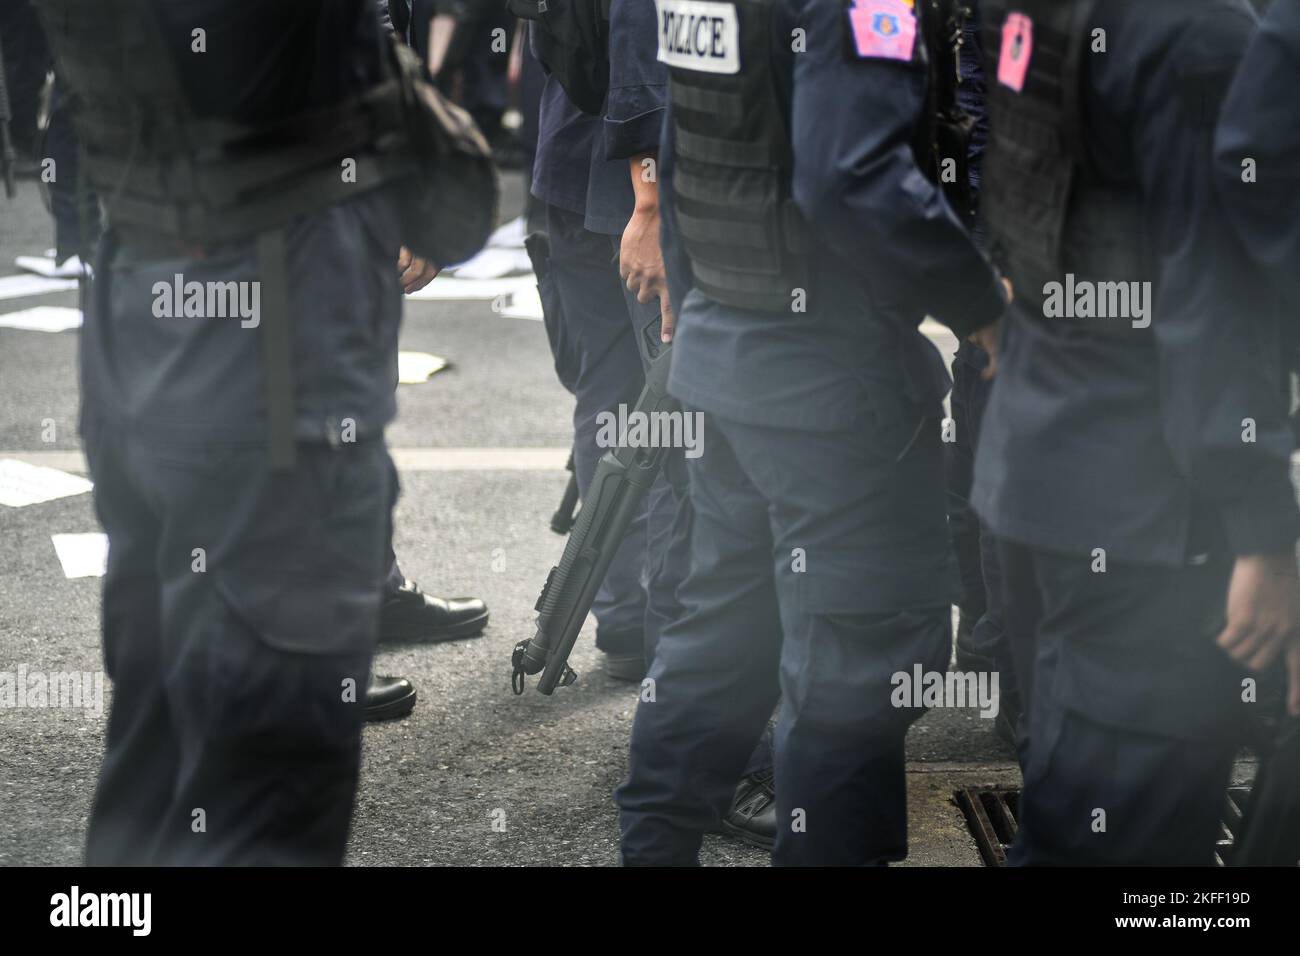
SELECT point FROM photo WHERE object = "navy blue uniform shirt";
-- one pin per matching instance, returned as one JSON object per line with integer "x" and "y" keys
{"x": 1128, "y": 443}
{"x": 889, "y": 251}
{"x": 582, "y": 161}
{"x": 638, "y": 82}
{"x": 1261, "y": 121}
{"x": 571, "y": 171}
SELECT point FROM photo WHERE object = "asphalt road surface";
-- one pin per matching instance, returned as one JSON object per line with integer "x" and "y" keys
{"x": 469, "y": 523}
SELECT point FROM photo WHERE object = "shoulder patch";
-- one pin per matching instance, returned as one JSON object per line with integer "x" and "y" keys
{"x": 1017, "y": 51}
{"x": 882, "y": 29}
{"x": 701, "y": 35}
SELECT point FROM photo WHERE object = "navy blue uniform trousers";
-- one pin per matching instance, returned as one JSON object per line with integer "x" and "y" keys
{"x": 238, "y": 680}
{"x": 1135, "y": 713}
{"x": 758, "y": 624}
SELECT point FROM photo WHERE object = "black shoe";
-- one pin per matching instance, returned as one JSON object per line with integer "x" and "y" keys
{"x": 752, "y": 817}
{"x": 1009, "y": 723}
{"x": 1004, "y": 725}
{"x": 968, "y": 659}
{"x": 412, "y": 615}
{"x": 388, "y": 698}
{"x": 628, "y": 667}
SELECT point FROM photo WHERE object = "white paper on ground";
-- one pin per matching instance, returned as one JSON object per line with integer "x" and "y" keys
{"x": 41, "y": 265}
{"x": 46, "y": 266}
{"x": 22, "y": 484}
{"x": 524, "y": 304}
{"x": 510, "y": 234}
{"x": 17, "y": 287}
{"x": 82, "y": 555}
{"x": 454, "y": 288}
{"x": 416, "y": 367}
{"x": 42, "y": 318}
{"x": 493, "y": 263}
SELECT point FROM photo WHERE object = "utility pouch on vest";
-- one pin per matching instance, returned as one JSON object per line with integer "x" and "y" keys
{"x": 1054, "y": 221}
{"x": 175, "y": 180}
{"x": 571, "y": 38}
{"x": 748, "y": 243}
{"x": 454, "y": 207}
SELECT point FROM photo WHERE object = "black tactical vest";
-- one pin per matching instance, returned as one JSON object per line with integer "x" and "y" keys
{"x": 177, "y": 181}
{"x": 1049, "y": 213}
{"x": 745, "y": 237}
{"x": 165, "y": 172}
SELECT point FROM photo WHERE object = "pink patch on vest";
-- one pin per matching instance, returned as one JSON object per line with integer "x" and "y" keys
{"x": 1017, "y": 49}
{"x": 884, "y": 29}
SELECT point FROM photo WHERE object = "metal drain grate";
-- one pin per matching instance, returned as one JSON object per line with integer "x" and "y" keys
{"x": 1230, "y": 825}
{"x": 993, "y": 816}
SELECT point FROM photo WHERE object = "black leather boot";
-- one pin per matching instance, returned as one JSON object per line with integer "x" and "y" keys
{"x": 412, "y": 615}
{"x": 389, "y": 698}
{"x": 752, "y": 817}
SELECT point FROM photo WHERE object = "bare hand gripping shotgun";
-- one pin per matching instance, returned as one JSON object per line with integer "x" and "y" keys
{"x": 618, "y": 488}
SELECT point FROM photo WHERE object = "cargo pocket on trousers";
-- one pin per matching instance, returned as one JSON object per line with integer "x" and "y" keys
{"x": 309, "y": 579}
{"x": 260, "y": 697}
{"x": 304, "y": 614}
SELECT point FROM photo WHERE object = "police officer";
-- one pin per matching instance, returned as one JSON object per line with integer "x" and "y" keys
{"x": 969, "y": 392}
{"x": 485, "y": 34}
{"x": 630, "y": 131}
{"x": 408, "y": 613}
{"x": 238, "y": 360}
{"x": 73, "y": 205}
{"x": 805, "y": 246}
{"x": 632, "y": 126}
{"x": 1258, "y": 148}
{"x": 1133, "y": 459}
{"x": 26, "y": 59}
{"x": 980, "y": 643}
{"x": 589, "y": 201}
{"x": 610, "y": 268}
{"x": 474, "y": 63}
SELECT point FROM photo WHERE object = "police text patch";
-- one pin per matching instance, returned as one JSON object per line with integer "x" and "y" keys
{"x": 699, "y": 35}
{"x": 883, "y": 29}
